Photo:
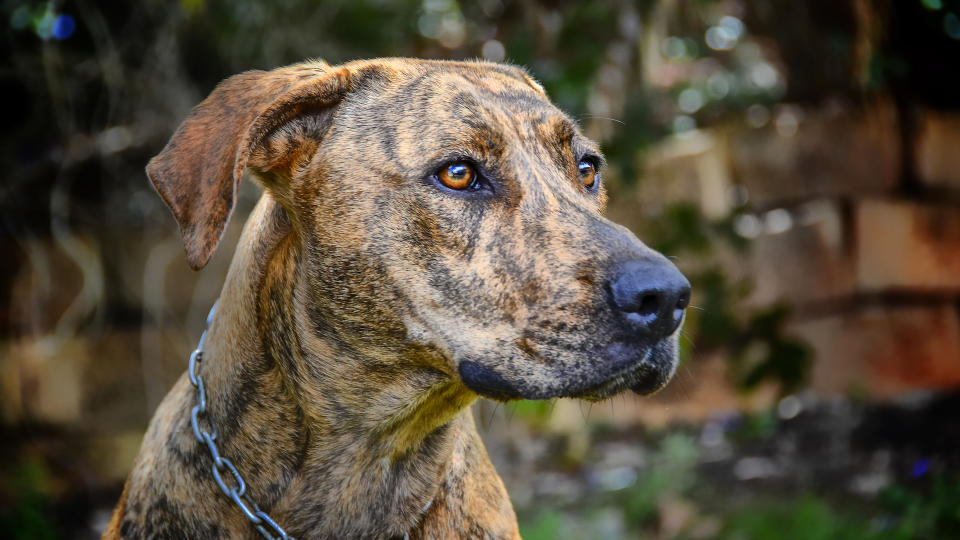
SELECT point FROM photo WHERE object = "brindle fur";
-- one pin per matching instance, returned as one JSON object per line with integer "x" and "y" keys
{"x": 363, "y": 295}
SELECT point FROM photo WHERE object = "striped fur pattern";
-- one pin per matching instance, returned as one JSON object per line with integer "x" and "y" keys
{"x": 367, "y": 306}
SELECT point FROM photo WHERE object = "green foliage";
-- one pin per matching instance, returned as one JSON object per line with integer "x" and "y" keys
{"x": 639, "y": 130}
{"x": 759, "y": 426}
{"x": 913, "y": 514}
{"x": 570, "y": 82}
{"x": 535, "y": 412}
{"x": 807, "y": 518}
{"x": 681, "y": 228}
{"x": 713, "y": 321}
{"x": 761, "y": 352}
{"x": 671, "y": 473}
{"x": 547, "y": 525}
{"x": 928, "y": 510}
{"x": 906, "y": 514}
{"x": 27, "y": 516}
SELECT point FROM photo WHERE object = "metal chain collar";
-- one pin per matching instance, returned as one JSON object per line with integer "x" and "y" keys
{"x": 237, "y": 493}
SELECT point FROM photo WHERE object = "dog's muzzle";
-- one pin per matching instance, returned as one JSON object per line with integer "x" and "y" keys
{"x": 646, "y": 299}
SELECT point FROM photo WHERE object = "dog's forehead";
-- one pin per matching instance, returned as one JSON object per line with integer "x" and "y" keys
{"x": 421, "y": 109}
{"x": 448, "y": 91}
{"x": 428, "y": 73}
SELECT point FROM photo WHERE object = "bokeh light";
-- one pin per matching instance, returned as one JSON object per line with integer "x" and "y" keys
{"x": 63, "y": 27}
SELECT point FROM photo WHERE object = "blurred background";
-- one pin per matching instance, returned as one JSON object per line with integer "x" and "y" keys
{"x": 799, "y": 160}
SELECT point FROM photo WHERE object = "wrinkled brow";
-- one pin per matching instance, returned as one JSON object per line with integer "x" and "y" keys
{"x": 477, "y": 125}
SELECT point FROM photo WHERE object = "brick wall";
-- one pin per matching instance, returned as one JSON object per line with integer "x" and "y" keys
{"x": 870, "y": 265}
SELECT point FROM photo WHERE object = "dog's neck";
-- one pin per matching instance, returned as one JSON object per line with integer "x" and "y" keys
{"x": 334, "y": 420}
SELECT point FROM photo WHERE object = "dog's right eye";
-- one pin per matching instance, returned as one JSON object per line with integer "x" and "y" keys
{"x": 459, "y": 176}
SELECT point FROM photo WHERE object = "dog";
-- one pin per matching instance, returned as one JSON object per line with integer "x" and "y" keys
{"x": 429, "y": 232}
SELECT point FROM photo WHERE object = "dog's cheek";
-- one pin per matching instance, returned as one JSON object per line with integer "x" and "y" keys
{"x": 434, "y": 245}
{"x": 352, "y": 289}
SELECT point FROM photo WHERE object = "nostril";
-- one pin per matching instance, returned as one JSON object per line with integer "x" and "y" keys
{"x": 651, "y": 294}
{"x": 649, "y": 305}
{"x": 683, "y": 301}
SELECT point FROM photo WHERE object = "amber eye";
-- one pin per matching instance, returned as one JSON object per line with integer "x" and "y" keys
{"x": 587, "y": 171}
{"x": 458, "y": 175}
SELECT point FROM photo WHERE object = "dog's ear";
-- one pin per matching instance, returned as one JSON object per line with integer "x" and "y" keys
{"x": 246, "y": 121}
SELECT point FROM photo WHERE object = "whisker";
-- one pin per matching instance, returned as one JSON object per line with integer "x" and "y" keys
{"x": 492, "y": 411}
{"x": 621, "y": 122}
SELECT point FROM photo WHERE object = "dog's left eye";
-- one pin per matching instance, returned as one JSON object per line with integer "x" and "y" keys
{"x": 587, "y": 171}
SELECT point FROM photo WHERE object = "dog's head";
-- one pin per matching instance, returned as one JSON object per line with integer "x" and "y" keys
{"x": 446, "y": 204}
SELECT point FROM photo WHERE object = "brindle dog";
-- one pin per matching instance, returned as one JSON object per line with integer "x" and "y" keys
{"x": 429, "y": 232}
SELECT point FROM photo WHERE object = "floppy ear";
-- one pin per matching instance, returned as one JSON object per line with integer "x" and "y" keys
{"x": 242, "y": 123}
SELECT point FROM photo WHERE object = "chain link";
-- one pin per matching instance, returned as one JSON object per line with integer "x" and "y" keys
{"x": 238, "y": 491}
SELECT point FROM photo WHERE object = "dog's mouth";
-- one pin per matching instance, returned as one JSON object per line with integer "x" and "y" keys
{"x": 650, "y": 374}
{"x": 620, "y": 366}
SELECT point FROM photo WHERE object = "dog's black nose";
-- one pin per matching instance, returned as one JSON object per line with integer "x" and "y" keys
{"x": 652, "y": 294}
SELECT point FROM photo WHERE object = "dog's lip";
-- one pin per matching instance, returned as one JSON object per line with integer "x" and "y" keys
{"x": 487, "y": 382}
{"x": 632, "y": 369}
{"x": 640, "y": 374}
{"x": 650, "y": 383}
